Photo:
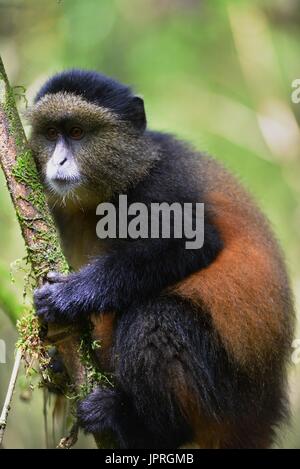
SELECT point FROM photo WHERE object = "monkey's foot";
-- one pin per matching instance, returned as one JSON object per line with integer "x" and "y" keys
{"x": 96, "y": 413}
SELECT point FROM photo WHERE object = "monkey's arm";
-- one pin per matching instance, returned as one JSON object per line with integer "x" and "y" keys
{"x": 132, "y": 271}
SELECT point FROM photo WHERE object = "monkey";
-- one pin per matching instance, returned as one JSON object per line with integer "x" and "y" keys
{"x": 197, "y": 340}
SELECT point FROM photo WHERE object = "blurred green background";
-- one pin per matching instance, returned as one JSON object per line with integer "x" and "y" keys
{"x": 217, "y": 73}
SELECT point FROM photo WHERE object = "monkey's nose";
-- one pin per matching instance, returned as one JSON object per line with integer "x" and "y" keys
{"x": 63, "y": 161}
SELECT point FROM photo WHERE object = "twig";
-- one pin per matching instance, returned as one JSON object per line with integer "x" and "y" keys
{"x": 9, "y": 395}
{"x": 71, "y": 439}
{"x": 45, "y": 417}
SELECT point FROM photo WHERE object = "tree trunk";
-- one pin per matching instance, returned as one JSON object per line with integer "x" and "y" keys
{"x": 41, "y": 240}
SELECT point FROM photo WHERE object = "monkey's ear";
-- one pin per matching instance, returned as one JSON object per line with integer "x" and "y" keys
{"x": 136, "y": 113}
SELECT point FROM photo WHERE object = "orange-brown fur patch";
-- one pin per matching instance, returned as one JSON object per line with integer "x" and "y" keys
{"x": 103, "y": 329}
{"x": 245, "y": 289}
{"x": 208, "y": 433}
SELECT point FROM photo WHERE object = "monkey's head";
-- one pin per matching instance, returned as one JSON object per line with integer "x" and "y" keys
{"x": 88, "y": 136}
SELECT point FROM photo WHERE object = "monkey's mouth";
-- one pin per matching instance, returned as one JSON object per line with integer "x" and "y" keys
{"x": 63, "y": 185}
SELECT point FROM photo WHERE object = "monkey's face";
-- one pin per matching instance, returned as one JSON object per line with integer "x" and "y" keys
{"x": 82, "y": 149}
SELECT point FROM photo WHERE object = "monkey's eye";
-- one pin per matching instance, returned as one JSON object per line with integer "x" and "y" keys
{"x": 51, "y": 133}
{"x": 76, "y": 133}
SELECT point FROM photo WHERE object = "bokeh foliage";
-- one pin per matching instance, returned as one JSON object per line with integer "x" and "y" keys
{"x": 217, "y": 73}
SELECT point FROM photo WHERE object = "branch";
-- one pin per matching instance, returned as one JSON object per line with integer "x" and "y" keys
{"x": 71, "y": 439}
{"x": 42, "y": 245}
{"x": 9, "y": 395}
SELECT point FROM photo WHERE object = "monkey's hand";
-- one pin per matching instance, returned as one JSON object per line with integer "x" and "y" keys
{"x": 59, "y": 300}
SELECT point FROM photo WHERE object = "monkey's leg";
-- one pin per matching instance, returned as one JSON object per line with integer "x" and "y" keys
{"x": 156, "y": 379}
{"x": 175, "y": 384}
{"x": 143, "y": 409}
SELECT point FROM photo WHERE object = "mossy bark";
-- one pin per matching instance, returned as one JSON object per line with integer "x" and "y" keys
{"x": 41, "y": 240}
